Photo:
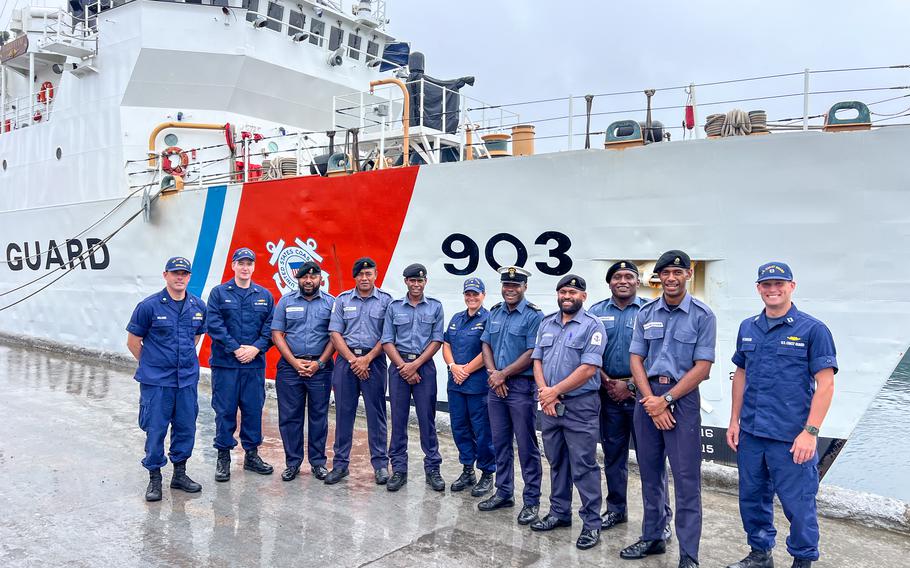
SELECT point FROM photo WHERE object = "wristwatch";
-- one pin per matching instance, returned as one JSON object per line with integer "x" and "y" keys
{"x": 320, "y": 363}
{"x": 669, "y": 398}
{"x": 449, "y": 366}
{"x": 811, "y": 429}
{"x": 631, "y": 386}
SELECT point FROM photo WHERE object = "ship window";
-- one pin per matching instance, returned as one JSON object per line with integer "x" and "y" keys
{"x": 296, "y": 21}
{"x": 252, "y": 6}
{"x": 335, "y": 38}
{"x": 372, "y": 50}
{"x": 276, "y": 13}
{"x": 354, "y": 43}
{"x": 171, "y": 139}
{"x": 273, "y": 147}
{"x": 4, "y": 165}
{"x": 59, "y": 152}
{"x": 317, "y": 32}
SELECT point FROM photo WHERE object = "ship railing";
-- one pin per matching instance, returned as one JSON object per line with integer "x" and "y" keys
{"x": 24, "y": 111}
{"x": 379, "y": 117}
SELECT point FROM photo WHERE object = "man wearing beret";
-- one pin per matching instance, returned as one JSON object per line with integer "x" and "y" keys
{"x": 617, "y": 390}
{"x": 567, "y": 358}
{"x": 782, "y": 388}
{"x": 508, "y": 341}
{"x": 672, "y": 352}
{"x": 300, "y": 331}
{"x": 411, "y": 335}
{"x": 356, "y": 328}
{"x": 240, "y": 325}
{"x": 162, "y": 335}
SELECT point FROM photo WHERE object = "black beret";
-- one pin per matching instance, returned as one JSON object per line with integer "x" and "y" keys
{"x": 308, "y": 267}
{"x": 514, "y": 274}
{"x": 415, "y": 270}
{"x": 361, "y": 264}
{"x": 674, "y": 258}
{"x": 572, "y": 281}
{"x": 621, "y": 265}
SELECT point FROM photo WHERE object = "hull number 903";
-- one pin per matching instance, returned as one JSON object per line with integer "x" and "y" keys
{"x": 461, "y": 247}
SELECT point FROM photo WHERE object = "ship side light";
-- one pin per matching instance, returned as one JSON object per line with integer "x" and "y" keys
{"x": 260, "y": 22}
{"x": 300, "y": 37}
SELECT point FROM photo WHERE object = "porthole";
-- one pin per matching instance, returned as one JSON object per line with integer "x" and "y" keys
{"x": 4, "y": 165}
{"x": 273, "y": 147}
{"x": 59, "y": 152}
{"x": 171, "y": 139}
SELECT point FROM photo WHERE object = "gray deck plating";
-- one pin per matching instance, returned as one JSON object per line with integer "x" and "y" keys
{"x": 72, "y": 495}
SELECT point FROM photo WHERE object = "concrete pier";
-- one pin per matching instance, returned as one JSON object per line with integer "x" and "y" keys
{"x": 71, "y": 494}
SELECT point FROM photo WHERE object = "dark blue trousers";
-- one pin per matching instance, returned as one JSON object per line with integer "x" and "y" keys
{"x": 682, "y": 445}
{"x": 570, "y": 444}
{"x": 424, "y": 395}
{"x": 160, "y": 407}
{"x": 514, "y": 418}
{"x": 234, "y": 389}
{"x": 766, "y": 467}
{"x": 298, "y": 396}
{"x": 616, "y": 429}
{"x": 471, "y": 430}
{"x": 348, "y": 388}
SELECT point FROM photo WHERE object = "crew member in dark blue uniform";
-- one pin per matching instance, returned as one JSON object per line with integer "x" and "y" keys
{"x": 617, "y": 390}
{"x": 467, "y": 390}
{"x": 303, "y": 383}
{"x": 508, "y": 341}
{"x": 567, "y": 359}
{"x": 240, "y": 325}
{"x": 671, "y": 353}
{"x": 782, "y": 389}
{"x": 411, "y": 335}
{"x": 356, "y": 328}
{"x": 162, "y": 335}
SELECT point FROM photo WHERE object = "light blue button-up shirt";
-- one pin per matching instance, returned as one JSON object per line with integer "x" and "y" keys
{"x": 619, "y": 324}
{"x": 564, "y": 347}
{"x": 304, "y": 322}
{"x": 672, "y": 340}
{"x": 412, "y": 327}
{"x": 360, "y": 320}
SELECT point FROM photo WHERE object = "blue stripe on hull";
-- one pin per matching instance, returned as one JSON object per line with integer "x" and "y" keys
{"x": 208, "y": 234}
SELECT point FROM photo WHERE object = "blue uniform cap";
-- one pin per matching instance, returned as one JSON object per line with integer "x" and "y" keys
{"x": 243, "y": 253}
{"x": 474, "y": 285}
{"x": 774, "y": 271}
{"x": 178, "y": 263}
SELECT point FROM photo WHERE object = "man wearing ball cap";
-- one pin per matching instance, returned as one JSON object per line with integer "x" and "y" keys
{"x": 782, "y": 388}
{"x": 672, "y": 352}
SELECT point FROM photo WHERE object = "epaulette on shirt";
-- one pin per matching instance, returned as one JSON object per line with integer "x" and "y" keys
{"x": 534, "y": 307}
{"x": 495, "y": 306}
{"x": 702, "y": 305}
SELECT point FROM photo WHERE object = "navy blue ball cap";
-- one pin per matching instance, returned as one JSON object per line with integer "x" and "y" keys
{"x": 474, "y": 285}
{"x": 514, "y": 274}
{"x": 308, "y": 267}
{"x": 673, "y": 258}
{"x": 415, "y": 270}
{"x": 362, "y": 263}
{"x": 774, "y": 271}
{"x": 572, "y": 281}
{"x": 243, "y": 253}
{"x": 621, "y": 265}
{"x": 178, "y": 263}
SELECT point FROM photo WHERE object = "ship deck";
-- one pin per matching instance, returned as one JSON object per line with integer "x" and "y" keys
{"x": 72, "y": 495}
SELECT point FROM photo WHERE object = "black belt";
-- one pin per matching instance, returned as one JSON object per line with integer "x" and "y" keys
{"x": 307, "y": 357}
{"x": 409, "y": 356}
{"x": 626, "y": 379}
{"x": 579, "y": 395}
{"x": 529, "y": 377}
{"x": 662, "y": 380}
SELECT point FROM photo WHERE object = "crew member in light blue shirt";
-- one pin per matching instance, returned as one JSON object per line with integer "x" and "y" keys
{"x": 411, "y": 336}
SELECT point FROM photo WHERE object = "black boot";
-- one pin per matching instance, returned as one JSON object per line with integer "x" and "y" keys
{"x": 252, "y": 462}
{"x": 223, "y": 465}
{"x": 756, "y": 559}
{"x": 182, "y": 481}
{"x": 484, "y": 486}
{"x": 465, "y": 480}
{"x": 153, "y": 491}
{"x": 801, "y": 563}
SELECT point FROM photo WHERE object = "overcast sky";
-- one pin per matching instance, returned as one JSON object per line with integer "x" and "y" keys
{"x": 531, "y": 49}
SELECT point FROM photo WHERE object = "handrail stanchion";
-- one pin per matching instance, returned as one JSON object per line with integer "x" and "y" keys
{"x": 420, "y": 109}
{"x": 570, "y": 121}
{"x": 806, "y": 99}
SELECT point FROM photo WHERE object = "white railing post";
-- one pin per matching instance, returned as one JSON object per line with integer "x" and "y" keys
{"x": 31, "y": 84}
{"x": 420, "y": 109}
{"x": 363, "y": 112}
{"x": 571, "y": 111}
{"x": 806, "y": 99}
{"x": 445, "y": 93}
{"x": 2, "y": 100}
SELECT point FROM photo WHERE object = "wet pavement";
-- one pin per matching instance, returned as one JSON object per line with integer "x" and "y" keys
{"x": 72, "y": 494}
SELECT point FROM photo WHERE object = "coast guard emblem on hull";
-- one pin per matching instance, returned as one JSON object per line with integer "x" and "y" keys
{"x": 288, "y": 259}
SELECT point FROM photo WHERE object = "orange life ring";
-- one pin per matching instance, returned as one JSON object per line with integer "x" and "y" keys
{"x": 46, "y": 92}
{"x": 166, "y": 164}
